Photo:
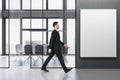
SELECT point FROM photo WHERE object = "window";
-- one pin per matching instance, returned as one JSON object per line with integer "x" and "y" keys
{"x": 70, "y": 4}
{"x": 71, "y": 35}
{"x": 0, "y": 4}
{"x": 26, "y": 37}
{"x": 39, "y": 36}
{"x": 39, "y": 23}
{"x": 7, "y": 5}
{"x": 36, "y": 4}
{"x": 26, "y": 23}
{"x": 12, "y": 4}
{"x": 0, "y": 36}
{"x": 7, "y": 35}
{"x": 35, "y": 23}
{"x": 55, "y": 4}
{"x": 12, "y": 35}
{"x": 26, "y": 4}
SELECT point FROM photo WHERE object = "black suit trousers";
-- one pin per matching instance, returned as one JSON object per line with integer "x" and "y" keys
{"x": 60, "y": 57}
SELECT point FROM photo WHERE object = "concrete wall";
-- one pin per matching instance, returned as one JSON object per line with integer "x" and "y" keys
{"x": 97, "y": 62}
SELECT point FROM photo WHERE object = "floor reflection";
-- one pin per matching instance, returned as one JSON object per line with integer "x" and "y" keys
{"x": 20, "y": 61}
{"x": 67, "y": 77}
{"x": 43, "y": 74}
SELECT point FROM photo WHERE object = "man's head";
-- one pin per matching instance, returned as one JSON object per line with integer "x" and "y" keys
{"x": 56, "y": 25}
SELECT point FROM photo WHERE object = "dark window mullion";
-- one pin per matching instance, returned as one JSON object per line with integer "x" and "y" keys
{"x": 64, "y": 21}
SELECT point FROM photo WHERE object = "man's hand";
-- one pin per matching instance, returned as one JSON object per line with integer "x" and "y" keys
{"x": 65, "y": 45}
{"x": 49, "y": 50}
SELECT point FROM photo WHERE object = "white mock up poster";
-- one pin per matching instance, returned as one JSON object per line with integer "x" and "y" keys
{"x": 98, "y": 34}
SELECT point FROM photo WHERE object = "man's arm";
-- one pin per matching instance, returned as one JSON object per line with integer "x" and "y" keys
{"x": 52, "y": 40}
{"x": 65, "y": 45}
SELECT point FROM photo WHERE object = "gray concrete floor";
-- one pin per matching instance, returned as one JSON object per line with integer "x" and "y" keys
{"x": 23, "y": 72}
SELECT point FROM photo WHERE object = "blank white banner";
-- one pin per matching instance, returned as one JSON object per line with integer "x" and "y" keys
{"x": 98, "y": 32}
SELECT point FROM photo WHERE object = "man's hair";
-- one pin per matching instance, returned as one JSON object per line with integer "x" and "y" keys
{"x": 55, "y": 23}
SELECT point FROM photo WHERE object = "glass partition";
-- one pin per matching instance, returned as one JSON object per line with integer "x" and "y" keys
{"x": 71, "y": 35}
{"x": 37, "y": 30}
{"x": 4, "y": 59}
{"x": 0, "y": 36}
{"x": 13, "y": 34}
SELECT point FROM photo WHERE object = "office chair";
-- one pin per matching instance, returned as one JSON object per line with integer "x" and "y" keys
{"x": 39, "y": 52}
{"x": 19, "y": 50}
{"x": 28, "y": 51}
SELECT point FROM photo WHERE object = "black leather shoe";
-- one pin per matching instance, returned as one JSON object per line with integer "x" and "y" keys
{"x": 45, "y": 70}
{"x": 68, "y": 70}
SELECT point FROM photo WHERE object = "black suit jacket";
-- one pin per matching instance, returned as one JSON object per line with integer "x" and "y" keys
{"x": 55, "y": 43}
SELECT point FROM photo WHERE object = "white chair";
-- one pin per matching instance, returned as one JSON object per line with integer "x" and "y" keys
{"x": 19, "y": 50}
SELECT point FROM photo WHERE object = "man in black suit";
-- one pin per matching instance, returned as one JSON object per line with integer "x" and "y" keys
{"x": 55, "y": 48}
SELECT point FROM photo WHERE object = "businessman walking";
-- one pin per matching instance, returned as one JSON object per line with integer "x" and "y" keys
{"x": 55, "y": 48}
